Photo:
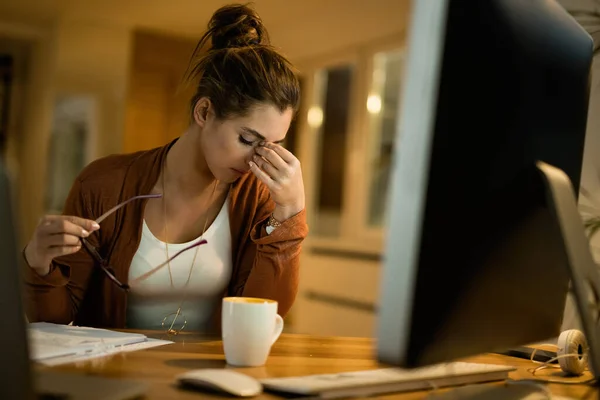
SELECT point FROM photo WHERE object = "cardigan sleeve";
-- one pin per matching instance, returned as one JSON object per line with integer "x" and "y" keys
{"x": 56, "y": 297}
{"x": 272, "y": 262}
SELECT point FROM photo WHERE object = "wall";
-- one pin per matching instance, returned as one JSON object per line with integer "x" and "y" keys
{"x": 64, "y": 56}
{"x": 20, "y": 52}
{"x": 93, "y": 59}
{"x": 33, "y": 93}
{"x": 157, "y": 105}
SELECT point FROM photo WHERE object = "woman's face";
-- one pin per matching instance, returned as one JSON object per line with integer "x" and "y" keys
{"x": 228, "y": 145}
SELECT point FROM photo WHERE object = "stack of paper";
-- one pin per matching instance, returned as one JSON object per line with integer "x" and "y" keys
{"x": 55, "y": 343}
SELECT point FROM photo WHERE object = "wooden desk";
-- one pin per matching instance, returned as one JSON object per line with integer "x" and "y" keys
{"x": 291, "y": 355}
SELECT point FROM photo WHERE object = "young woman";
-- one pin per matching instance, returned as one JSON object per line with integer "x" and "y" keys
{"x": 226, "y": 181}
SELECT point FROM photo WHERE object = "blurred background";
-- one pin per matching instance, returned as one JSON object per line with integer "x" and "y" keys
{"x": 81, "y": 79}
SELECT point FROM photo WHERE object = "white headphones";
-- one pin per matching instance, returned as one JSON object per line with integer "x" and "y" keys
{"x": 572, "y": 352}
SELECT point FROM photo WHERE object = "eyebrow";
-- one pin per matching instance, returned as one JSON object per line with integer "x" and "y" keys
{"x": 258, "y": 135}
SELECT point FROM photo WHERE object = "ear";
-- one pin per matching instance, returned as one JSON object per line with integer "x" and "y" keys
{"x": 201, "y": 111}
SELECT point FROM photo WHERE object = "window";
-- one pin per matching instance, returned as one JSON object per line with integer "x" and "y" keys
{"x": 330, "y": 119}
{"x": 382, "y": 107}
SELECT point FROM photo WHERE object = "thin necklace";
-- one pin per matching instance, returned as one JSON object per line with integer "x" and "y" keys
{"x": 166, "y": 233}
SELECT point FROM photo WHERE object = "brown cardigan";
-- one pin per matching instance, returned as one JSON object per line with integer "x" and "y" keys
{"x": 77, "y": 290}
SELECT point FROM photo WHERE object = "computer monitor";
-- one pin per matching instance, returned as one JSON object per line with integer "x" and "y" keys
{"x": 484, "y": 236}
{"x": 13, "y": 337}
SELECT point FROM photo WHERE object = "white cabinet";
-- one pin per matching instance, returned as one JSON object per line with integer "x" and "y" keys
{"x": 337, "y": 294}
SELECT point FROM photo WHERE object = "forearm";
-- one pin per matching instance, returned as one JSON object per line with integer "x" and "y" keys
{"x": 273, "y": 278}
{"x": 47, "y": 298}
{"x": 52, "y": 306}
{"x": 41, "y": 271}
{"x": 272, "y": 270}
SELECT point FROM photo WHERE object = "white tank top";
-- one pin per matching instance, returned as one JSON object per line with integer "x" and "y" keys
{"x": 152, "y": 299}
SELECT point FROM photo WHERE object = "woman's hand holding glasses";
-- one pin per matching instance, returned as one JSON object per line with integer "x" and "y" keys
{"x": 56, "y": 235}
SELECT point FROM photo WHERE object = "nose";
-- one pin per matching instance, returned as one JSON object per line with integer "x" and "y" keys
{"x": 249, "y": 157}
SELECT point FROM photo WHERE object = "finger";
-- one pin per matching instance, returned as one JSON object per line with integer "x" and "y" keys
{"x": 265, "y": 166}
{"x": 86, "y": 224}
{"x": 61, "y": 239}
{"x": 284, "y": 153}
{"x": 63, "y": 226}
{"x": 261, "y": 175}
{"x": 58, "y": 251}
{"x": 271, "y": 156}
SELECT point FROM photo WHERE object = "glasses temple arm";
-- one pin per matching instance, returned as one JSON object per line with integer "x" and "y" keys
{"x": 115, "y": 208}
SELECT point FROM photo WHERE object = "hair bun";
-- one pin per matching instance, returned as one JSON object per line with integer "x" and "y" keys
{"x": 236, "y": 26}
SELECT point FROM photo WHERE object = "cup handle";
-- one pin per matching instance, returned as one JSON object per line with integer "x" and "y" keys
{"x": 278, "y": 328}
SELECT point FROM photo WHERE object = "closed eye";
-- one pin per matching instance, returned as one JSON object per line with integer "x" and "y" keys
{"x": 244, "y": 141}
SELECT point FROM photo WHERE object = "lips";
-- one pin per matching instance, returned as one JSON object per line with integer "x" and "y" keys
{"x": 241, "y": 172}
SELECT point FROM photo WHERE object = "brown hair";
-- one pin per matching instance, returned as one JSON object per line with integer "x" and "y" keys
{"x": 241, "y": 68}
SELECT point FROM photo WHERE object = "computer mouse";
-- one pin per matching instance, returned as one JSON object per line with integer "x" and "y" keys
{"x": 223, "y": 380}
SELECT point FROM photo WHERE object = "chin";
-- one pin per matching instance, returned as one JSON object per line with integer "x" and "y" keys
{"x": 226, "y": 175}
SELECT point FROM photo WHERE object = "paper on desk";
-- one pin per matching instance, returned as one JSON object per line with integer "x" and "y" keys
{"x": 47, "y": 341}
{"x": 149, "y": 343}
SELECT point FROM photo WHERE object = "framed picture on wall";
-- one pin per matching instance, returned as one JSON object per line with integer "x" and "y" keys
{"x": 69, "y": 147}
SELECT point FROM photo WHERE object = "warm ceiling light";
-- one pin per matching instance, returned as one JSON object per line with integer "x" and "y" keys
{"x": 315, "y": 117}
{"x": 374, "y": 104}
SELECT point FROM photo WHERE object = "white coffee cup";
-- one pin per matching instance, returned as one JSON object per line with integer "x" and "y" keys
{"x": 249, "y": 327}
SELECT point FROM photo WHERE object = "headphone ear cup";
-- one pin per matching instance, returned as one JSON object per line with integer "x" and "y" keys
{"x": 572, "y": 342}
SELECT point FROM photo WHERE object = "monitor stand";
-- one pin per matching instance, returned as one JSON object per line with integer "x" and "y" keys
{"x": 582, "y": 310}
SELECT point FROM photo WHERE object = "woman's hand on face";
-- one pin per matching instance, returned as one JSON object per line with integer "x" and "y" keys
{"x": 280, "y": 170}
{"x": 56, "y": 235}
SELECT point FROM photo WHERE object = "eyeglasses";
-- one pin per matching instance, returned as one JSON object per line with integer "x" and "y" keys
{"x": 108, "y": 270}
{"x": 103, "y": 263}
